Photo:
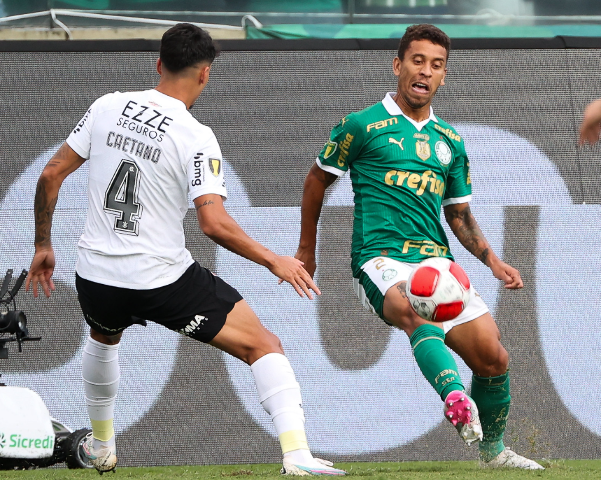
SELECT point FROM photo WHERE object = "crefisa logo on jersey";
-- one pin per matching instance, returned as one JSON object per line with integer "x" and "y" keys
{"x": 443, "y": 152}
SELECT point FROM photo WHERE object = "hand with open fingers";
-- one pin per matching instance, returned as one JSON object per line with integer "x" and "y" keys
{"x": 40, "y": 272}
{"x": 590, "y": 128}
{"x": 307, "y": 256}
{"x": 511, "y": 276}
{"x": 291, "y": 270}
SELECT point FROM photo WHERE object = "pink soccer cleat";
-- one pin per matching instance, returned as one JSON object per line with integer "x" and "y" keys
{"x": 461, "y": 411}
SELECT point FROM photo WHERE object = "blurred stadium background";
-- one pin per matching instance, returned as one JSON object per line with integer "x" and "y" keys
{"x": 515, "y": 94}
{"x": 85, "y": 19}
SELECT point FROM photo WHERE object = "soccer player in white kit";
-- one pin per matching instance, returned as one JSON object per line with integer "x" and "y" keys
{"x": 146, "y": 154}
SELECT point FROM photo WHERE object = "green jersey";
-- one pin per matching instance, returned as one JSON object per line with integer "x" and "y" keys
{"x": 402, "y": 172}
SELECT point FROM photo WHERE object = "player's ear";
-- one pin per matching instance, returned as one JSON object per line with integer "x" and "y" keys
{"x": 396, "y": 66}
{"x": 204, "y": 74}
{"x": 159, "y": 67}
{"x": 443, "y": 77}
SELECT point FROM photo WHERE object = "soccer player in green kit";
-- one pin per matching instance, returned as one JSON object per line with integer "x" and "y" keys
{"x": 405, "y": 163}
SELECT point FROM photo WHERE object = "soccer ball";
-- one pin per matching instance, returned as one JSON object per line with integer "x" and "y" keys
{"x": 438, "y": 289}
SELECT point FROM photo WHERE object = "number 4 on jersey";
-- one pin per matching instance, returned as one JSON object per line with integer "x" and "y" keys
{"x": 121, "y": 198}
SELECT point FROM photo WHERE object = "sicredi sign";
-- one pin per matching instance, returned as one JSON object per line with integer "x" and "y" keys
{"x": 25, "y": 425}
{"x": 16, "y": 440}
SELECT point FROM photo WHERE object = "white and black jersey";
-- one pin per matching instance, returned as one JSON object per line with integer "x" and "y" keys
{"x": 146, "y": 154}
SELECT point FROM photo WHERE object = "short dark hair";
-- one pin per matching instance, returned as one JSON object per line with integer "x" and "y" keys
{"x": 424, "y": 31}
{"x": 185, "y": 45}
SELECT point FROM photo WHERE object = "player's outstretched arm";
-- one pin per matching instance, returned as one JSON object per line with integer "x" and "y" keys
{"x": 590, "y": 128}
{"x": 316, "y": 183}
{"x": 462, "y": 222}
{"x": 63, "y": 163}
{"x": 217, "y": 224}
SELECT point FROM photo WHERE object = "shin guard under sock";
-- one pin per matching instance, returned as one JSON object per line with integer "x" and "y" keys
{"x": 435, "y": 360}
{"x": 100, "y": 372}
{"x": 492, "y": 397}
{"x": 280, "y": 395}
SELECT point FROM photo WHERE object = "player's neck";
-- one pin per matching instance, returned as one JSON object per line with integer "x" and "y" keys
{"x": 418, "y": 114}
{"x": 177, "y": 90}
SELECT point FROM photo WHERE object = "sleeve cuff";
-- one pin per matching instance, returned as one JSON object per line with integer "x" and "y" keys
{"x": 221, "y": 192}
{"x": 77, "y": 149}
{"x": 453, "y": 201}
{"x": 327, "y": 168}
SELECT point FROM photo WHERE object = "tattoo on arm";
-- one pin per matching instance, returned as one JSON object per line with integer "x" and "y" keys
{"x": 44, "y": 209}
{"x": 483, "y": 256}
{"x": 45, "y": 199}
{"x": 206, "y": 202}
{"x": 468, "y": 232}
{"x": 58, "y": 157}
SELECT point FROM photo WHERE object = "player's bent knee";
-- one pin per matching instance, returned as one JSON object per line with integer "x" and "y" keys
{"x": 405, "y": 319}
{"x": 105, "y": 339}
{"x": 274, "y": 344}
{"x": 503, "y": 362}
{"x": 493, "y": 363}
{"x": 266, "y": 343}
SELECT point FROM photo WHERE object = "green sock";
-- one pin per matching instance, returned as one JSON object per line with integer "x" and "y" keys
{"x": 435, "y": 360}
{"x": 492, "y": 398}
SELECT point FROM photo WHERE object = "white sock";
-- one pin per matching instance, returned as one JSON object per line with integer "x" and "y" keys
{"x": 280, "y": 395}
{"x": 100, "y": 372}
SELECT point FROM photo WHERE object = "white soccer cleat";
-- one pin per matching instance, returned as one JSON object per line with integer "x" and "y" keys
{"x": 104, "y": 459}
{"x": 319, "y": 467}
{"x": 461, "y": 411}
{"x": 509, "y": 459}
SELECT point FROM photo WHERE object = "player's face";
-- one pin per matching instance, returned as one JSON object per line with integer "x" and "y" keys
{"x": 421, "y": 71}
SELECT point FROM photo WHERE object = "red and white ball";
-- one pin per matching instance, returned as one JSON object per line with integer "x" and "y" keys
{"x": 438, "y": 289}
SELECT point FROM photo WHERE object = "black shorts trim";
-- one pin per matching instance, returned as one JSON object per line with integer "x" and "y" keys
{"x": 195, "y": 305}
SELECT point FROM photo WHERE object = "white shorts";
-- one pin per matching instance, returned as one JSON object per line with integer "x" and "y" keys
{"x": 385, "y": 273}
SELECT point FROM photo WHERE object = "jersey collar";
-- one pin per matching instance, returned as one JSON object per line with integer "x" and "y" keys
{"x": 393, "y": 109}
{"x": 161, "y": 97}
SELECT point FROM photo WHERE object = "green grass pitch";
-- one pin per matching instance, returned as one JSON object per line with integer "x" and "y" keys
{"x": 555, "y": 469}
